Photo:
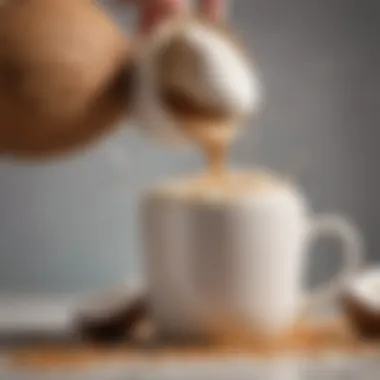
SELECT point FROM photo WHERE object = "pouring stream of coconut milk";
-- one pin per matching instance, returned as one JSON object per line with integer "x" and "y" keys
{"x": 196, "y": 83}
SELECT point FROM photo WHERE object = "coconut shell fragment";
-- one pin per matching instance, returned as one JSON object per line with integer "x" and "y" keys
{"x": 361, "y": 304}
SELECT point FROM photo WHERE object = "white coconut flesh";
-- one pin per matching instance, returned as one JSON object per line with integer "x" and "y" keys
{"x": 225, "y": 78}
{"x": 366, "y": 289}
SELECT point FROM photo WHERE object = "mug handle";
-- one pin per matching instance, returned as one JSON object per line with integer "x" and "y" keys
{"x": 352, "y": 250}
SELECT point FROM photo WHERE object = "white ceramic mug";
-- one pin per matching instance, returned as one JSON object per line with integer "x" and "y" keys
{"x": 241, "y": 259}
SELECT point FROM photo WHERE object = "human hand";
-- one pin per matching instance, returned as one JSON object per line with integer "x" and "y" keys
{"x": 154, "y": 11}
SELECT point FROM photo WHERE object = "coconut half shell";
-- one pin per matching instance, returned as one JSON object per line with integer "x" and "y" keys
{"x": 111, "y": 318}
{"x": 186, "y": 84}
{"x": 63, "y": 70}
{"x": 361, "y": 303}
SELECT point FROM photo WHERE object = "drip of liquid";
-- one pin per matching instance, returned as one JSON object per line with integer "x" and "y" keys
{"x": 216, "y": 152}
{"x": 214, "y": 140}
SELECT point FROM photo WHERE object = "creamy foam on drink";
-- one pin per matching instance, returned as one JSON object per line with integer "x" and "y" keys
{"x": 208, "y": 187}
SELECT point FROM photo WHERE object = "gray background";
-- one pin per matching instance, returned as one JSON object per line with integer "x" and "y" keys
{"x": 70, "y": 225}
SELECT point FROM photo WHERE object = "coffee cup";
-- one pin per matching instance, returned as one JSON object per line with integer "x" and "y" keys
{"x": 232, "y": 256}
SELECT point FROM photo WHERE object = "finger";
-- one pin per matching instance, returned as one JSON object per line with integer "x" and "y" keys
{"x": 215, "y": 9}
{"x": 153, "y": 12}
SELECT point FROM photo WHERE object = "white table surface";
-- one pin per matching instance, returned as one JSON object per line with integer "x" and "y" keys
{"x": 328, "y": 368}
{"x": 53, "y": 314}
{"x": 42, "y": 313}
